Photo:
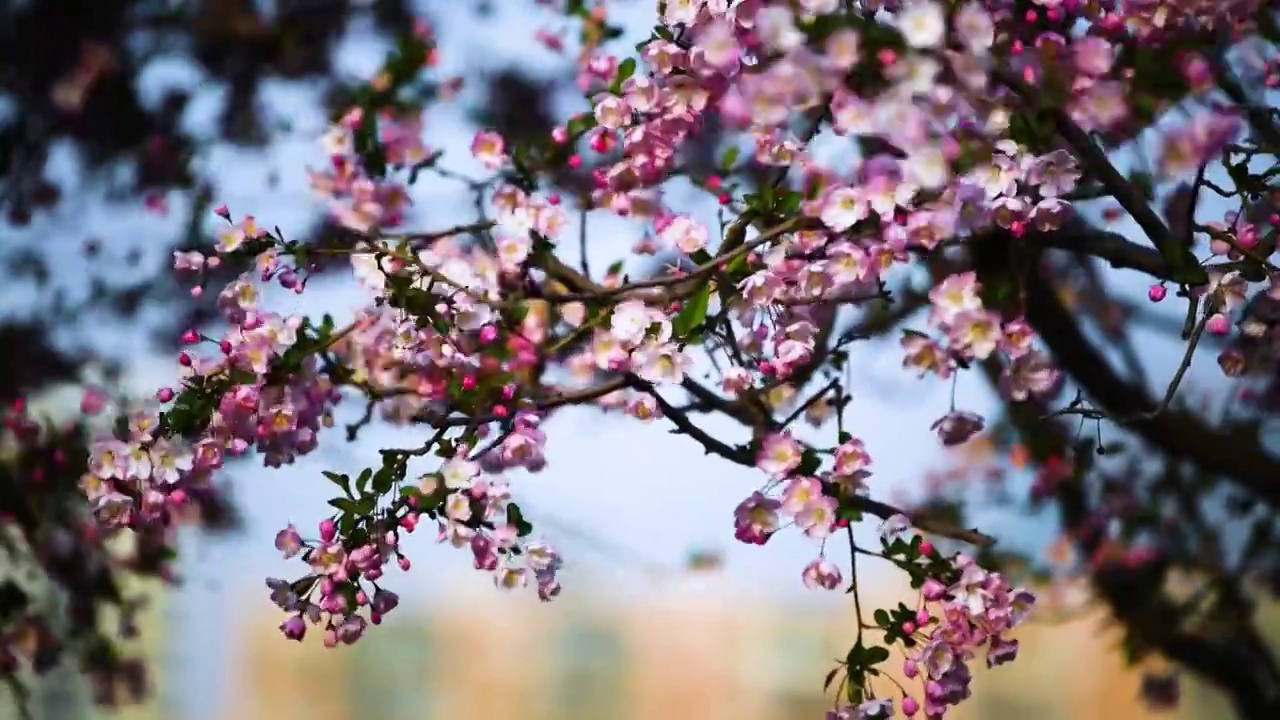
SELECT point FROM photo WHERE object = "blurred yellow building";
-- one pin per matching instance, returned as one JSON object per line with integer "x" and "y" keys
{"x": 679, "y": 654}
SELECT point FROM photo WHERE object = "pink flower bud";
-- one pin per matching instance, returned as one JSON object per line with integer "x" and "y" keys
{"x": 328, "y": 530}
{"x": 933, "y": 590}
{"x": 910, "y": 706}
{"x": 1218, "y": 324}
{"x": 92, "y": 402}
{"x": 164, "y": 395}
{"x": 294, "y": 628}
{"x": 1156, "y": 292}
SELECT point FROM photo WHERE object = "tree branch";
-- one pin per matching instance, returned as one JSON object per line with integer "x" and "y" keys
{"x": 1178, "y": 258}
{"x": 1180, "y": 435}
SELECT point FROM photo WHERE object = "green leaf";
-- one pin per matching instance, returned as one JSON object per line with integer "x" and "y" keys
{"x": 809, "y": 463}
{"x": 1023, "y": 130}
{"x": 729, "y": 158}
{"x": 626, "y": 69}
{"x": 831, "y": 676}
{"x": 516, "y": 517}
{"x": 342, "y": 481}
{"x": 384, "y": 479}
{"x": 580, "y": 124}
{"x": 876, "y": 654}
{"x": 694, "y": 312}
{"x": 368, "y": 147}
{"x": 788, "y": 203}
{"x": 346, "y": 505}
{"x": 518, "y": 313}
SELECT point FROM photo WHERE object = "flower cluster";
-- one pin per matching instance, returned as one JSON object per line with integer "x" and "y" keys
{"x": 361, "y": 202}
{"x": 54, "y": 548}
{"x": 151, "y": 468}
{"x": 811, "y": 501}
{"x": 974, "y": 612}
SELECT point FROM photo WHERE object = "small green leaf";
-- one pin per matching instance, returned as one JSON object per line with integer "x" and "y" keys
{"x": 694, "y": 312}
{"x": 516, "y": 517}
{"x": 342, "y": 481}
{"x": 626, "y": 69}
{"x": 346, "y": 505}
{"x": 809, "y": 463}
{"x": 831, "y": 676}
{"x": 580, "y": 124}
{"x": 729, "y": 158}
{"x": 876, "y": 654}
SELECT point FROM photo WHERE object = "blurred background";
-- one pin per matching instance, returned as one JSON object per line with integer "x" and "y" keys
{"x": 123, "y": 123}
{"x": 685, "y": 649}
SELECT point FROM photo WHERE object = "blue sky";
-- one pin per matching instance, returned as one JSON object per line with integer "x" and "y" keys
{"x": 612, "y": 480}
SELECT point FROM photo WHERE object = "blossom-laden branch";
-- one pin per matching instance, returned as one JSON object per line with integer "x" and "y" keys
{"x": 481, "y": 332}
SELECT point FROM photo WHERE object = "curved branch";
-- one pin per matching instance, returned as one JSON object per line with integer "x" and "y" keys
{"x": 1180, "y": 435}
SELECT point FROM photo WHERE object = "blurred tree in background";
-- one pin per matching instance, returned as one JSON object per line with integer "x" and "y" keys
{"x": 70, "y": 74}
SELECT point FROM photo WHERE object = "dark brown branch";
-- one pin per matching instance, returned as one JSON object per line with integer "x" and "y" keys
{"x": 1113, "y": 248}
{"x": 1178, "y": 434}
{"x": 1177, "y": 257}
{"x": 712, "y": 445}
{"x": 743, "y": 456}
